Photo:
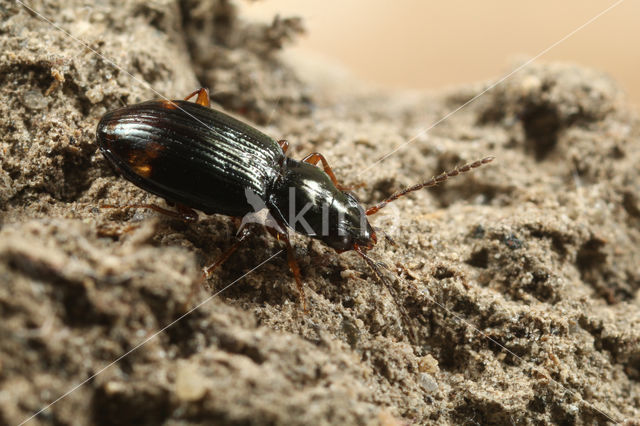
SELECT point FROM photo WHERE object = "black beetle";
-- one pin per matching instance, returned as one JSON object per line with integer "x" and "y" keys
{"x": 199, "y": 158}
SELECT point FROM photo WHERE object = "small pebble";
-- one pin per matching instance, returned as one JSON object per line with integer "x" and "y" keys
{"x": 189, "y": 384}
{"x": 428, "y": 383}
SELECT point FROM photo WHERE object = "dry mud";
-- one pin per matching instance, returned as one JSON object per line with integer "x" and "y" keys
{"x": 514, "y": 291}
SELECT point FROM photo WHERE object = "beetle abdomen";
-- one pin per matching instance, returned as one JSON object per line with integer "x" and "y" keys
{"x": 191, "y": 155}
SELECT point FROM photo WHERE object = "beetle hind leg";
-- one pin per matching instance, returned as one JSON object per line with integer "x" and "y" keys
{"x": 183, "y": 212}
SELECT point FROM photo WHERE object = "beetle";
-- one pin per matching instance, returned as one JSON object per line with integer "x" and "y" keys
{"x": 199, "y": 158}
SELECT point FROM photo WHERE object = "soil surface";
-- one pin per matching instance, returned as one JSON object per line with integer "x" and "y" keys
{"x": 512, "y": 293}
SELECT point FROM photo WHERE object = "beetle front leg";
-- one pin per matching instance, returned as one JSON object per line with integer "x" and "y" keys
{"x": 295, "y": 269}
{"x": 203, "y": 97}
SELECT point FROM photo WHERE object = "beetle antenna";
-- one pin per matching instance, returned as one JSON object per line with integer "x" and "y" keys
{"x": 431, "y": 182}
{"x": 386, "y": 236}
{"x": 405, "y": 318}
{"x": 372, "y": 263}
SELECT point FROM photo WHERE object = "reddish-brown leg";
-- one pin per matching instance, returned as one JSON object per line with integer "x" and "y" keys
{"x": 184, "y": 213}
{"x": 203, "y": 96}
{"x": 314, "y": 158}
{"x": 115, "y": 232}
{"x": 295, "y": 269}
{"x": 187, "y": 213}
{"x": 293, "y": 265}
{"x": 284, "y": 144}
{"x": 208, "y": 270}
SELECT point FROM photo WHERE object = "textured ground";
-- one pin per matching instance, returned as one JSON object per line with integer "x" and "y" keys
{"x": 515, "y": 291}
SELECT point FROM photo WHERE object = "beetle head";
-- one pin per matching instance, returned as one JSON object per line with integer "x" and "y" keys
{"x": 350, "y": 227}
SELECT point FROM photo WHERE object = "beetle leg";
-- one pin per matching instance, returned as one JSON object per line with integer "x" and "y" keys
{"x": 116, "y": 232}
{"x": 203, "y": 97}
{"x": 184, "y": 213}
{"x": 314, "y": 158}
{"x": 295, "y": 269}
{"x": 208, "y": 270}
{"x": 284, "y": 144}
{"x": 188, "y": 214}
{"x": 293, "y": 264}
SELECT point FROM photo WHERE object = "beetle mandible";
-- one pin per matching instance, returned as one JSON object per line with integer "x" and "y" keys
{"x": 199, "y": 158}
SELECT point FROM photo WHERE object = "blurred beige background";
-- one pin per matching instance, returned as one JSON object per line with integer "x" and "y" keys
{"x": 430, "y": 45}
